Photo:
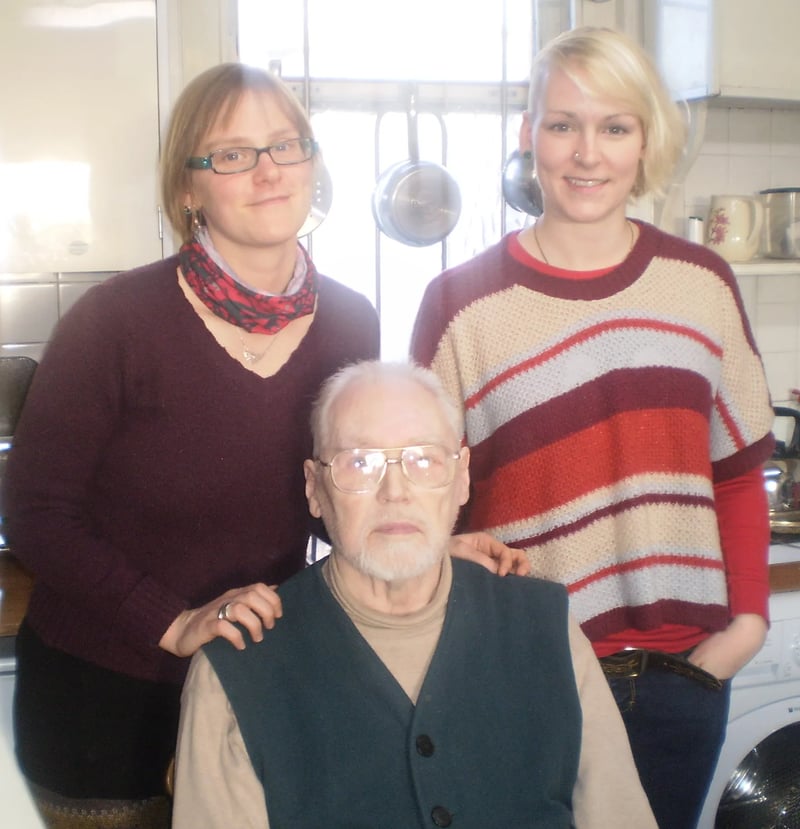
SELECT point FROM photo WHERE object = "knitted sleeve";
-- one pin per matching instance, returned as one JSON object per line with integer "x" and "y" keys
{"x": 742, "y": 514}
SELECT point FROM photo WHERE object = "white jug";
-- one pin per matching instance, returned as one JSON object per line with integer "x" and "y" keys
{"x": 733, "y": 228}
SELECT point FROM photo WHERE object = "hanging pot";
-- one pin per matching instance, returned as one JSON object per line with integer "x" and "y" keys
{"x": 520, "y": 187}
{"x": 416, "y": 202}
{"x": 321, "y": 198}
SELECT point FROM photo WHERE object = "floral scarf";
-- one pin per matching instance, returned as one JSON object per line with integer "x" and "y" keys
{"x": 227, "y": 297}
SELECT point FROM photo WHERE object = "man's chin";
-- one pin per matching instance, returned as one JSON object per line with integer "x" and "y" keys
{"x": 399, "y": 562}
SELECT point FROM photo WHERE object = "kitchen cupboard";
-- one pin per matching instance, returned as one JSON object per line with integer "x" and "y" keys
{"x": 79, "y": 137}
{"x": 737, "y": 51}
{"x": 756, "y": 52}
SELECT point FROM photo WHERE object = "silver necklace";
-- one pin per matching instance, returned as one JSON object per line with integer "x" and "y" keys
{"x": 252, "y": 357}
{"x": 547, "y": 261}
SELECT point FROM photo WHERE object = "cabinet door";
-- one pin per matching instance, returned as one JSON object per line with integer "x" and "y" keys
{"x": 78, "y": 136}
{"x": 735, "y": 49}
{"x": 758, "y": 46}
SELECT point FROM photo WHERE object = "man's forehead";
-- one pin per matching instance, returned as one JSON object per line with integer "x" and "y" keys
{"x": 380, "y": 414}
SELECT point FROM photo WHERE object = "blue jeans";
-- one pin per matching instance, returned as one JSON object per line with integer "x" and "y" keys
{"x": 676, "y": 728}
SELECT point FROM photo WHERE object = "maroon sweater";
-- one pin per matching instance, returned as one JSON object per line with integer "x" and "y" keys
{"x": 151, "y": 471}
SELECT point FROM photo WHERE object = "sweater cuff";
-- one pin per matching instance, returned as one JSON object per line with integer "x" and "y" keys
{"x": 147, "y": 613}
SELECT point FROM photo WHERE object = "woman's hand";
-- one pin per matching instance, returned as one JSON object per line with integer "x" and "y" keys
{"x": 723, "y": 654}
{"x": 485, "y": 549}
{"x": 255, "y": 607}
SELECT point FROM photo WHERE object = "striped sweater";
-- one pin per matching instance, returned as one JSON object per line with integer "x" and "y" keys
{"x": 600, "y": 413}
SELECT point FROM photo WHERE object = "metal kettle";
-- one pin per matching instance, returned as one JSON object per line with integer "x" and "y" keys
{"x": 782, "y": 478}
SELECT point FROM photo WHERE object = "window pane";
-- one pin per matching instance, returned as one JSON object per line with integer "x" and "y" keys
{"x": 347, "y": 245}
{"x": 438, "y": 40}
{"x": 363, "y": 131}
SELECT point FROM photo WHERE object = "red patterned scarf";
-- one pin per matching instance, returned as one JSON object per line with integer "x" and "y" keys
{"x": 237, "y": 304}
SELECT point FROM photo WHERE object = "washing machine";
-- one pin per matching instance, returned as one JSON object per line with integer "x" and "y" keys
{"x": 757, "y": 781}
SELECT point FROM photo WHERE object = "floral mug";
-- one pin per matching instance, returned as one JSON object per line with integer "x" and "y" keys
{"x": 734, "y": 225}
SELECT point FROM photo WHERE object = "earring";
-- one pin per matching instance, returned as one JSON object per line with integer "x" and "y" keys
{"x": 577, "y": 156}
{"x": 194, "y": 218}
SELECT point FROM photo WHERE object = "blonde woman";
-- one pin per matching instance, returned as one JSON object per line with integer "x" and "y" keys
{"x": 617, "y": 411}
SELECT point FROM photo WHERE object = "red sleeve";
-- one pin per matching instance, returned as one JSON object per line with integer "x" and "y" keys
{"x": 743, "y": 518}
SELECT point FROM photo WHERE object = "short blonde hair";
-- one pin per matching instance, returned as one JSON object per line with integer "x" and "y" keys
{"x": 606, "y": 63}
{"x": 212, "y": 96}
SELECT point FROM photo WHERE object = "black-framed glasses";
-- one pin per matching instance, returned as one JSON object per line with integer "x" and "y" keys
{"x": 240, "y": 159}
{"x": 361, "y": 470}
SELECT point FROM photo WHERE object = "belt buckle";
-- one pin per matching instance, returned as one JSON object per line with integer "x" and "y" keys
{"x": 640, "y": 665}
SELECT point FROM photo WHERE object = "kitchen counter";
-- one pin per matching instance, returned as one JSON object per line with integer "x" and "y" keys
{"x": 15, "y": 591}
{"x": 784, "y": 577}
{"x": 16, "y": 585}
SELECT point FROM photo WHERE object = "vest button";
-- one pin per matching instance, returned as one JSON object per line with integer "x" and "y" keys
{"x": 441, "y": 816}
{"x": 425, "y": 745}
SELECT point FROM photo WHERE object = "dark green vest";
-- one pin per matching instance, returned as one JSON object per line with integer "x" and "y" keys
{"x": 493, "y": 741}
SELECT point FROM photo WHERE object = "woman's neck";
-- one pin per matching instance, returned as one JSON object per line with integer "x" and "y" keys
{"x": 267, "y": 268}
{"x": 580, "y": 246}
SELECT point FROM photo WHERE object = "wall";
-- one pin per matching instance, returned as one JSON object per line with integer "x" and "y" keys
{"x": 746, "y": 150}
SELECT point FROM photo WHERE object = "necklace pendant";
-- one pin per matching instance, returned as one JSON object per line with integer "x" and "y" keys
{"x": 249, "y": 356}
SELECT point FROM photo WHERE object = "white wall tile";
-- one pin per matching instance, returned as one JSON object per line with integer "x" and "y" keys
{"x": 748, "y": 288}
{"x": 745, "y": 151}
{"x": 784, "y": 171}
{"x": 747, "y": 173}
{"x": 782, "y": 374}
{"x": 776, "y": 328}
{"x": 780, "y": 288}
{"x": 750, "y": 131}
{"x": 716, "y": 140}
{"x": 708, "y": 175}
{"x": 785, "y": 134}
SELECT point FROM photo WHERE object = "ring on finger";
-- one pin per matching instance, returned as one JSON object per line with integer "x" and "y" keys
{"x": 222, "y": 613}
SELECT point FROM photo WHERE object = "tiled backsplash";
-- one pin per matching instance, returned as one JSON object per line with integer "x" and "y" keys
{"x": 746, "y": 150}
{"x": 773, "y": 305}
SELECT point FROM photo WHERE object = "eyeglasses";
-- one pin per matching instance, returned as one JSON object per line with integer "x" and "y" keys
{"x": 239, "y": 159}
{"x": 362, "y": 470}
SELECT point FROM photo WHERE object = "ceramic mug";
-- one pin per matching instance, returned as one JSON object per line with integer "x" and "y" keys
{"x": 733, "y": 228}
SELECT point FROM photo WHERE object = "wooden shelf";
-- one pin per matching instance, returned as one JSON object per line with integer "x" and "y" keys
{"x": 15, "y": 591}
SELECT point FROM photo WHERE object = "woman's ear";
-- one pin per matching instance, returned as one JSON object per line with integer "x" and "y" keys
{"x": 526, "y": 134}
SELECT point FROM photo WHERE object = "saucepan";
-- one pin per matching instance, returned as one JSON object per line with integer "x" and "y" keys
{"x": 782, "y": 477}
{"x": 416, "y": 202}
{"x": 782, "y": 222}
{"x": 520, "y": 187}
{"x": 321, "y": 197}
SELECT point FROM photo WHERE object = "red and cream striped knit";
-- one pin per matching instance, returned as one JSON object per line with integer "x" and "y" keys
{"x": 604, "y": 416}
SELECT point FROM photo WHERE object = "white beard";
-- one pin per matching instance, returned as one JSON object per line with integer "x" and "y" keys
{"x": 406, "y": 564}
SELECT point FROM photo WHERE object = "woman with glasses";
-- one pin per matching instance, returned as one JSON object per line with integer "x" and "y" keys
{"x": 156, "y": 486}
{"x": 617, "y": 411}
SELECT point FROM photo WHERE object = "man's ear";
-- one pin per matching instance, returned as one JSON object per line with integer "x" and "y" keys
{"x": 310, "y": 472}
{"x": 462, "y": 475}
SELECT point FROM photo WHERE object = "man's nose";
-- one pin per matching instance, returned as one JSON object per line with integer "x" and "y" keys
{"x": 395, "y": 484}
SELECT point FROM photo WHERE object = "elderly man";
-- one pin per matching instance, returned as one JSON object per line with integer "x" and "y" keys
{"x": 402, "y": 688}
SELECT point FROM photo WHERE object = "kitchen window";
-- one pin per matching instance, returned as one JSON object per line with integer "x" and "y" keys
{"x": 355, "y": 65}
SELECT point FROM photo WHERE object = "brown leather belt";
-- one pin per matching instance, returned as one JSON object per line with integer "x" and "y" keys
{"x": 634, "y": 662}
